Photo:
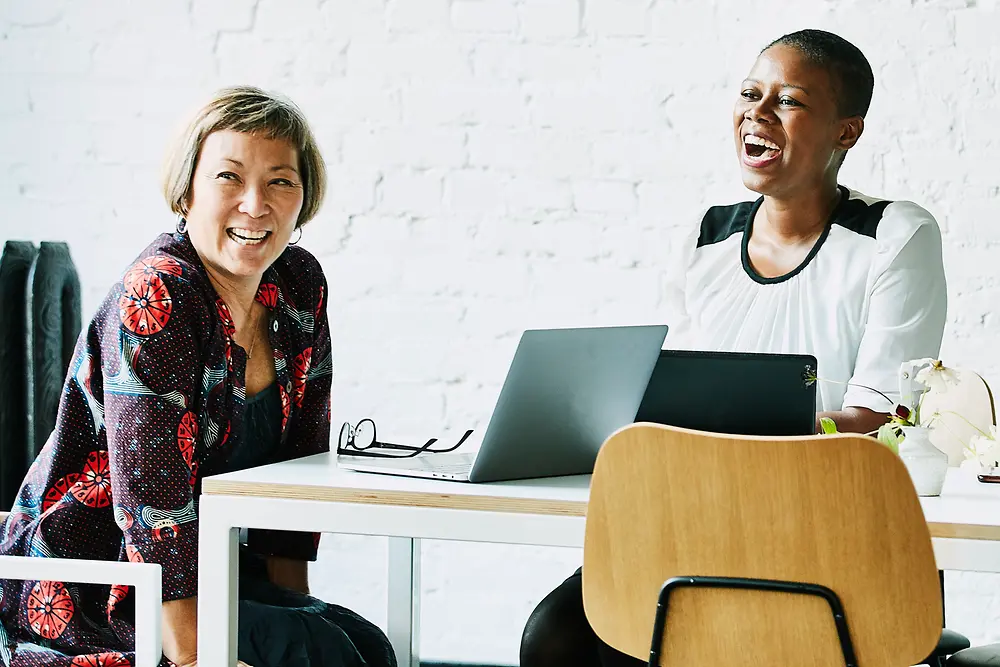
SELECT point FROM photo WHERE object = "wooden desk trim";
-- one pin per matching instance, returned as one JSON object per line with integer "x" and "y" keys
{"x": 485, "y": 503}
{"x": 965, "y": 531}
{"x": 481, "y": 503}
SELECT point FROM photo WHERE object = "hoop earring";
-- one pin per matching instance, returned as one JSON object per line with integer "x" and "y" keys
{"x": 182, "y": 224}
{"x": 299, "y": 230}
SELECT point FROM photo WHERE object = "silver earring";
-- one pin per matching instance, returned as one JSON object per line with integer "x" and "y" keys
{"x": 182, "y": 224}
{"x": 299, "y": 230}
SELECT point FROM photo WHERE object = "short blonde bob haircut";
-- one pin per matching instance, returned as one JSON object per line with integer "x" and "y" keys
{"x": 254, "y": 111}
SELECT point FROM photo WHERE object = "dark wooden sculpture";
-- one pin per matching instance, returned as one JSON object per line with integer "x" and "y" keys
{"x": 15, "y": 264}
{"x": 53, "y": 325}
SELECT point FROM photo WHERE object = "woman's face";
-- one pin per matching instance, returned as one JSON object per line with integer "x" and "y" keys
{"x": 788, "y": 130}
{"x": 246, "y": 194}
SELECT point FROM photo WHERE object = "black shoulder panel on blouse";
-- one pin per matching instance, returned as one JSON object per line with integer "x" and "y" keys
{"x": 721, "y": 222}
{"x": 861, "y": 217}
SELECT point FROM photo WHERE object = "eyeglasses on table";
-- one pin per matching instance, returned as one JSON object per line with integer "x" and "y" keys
{"x": 361, "y": 440}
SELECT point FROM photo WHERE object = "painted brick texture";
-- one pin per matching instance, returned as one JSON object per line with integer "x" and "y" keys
{"x": 494, "y": 165}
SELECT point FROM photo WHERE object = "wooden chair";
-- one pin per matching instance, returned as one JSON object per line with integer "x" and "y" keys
{"x": 832, "y": 526}
{"x": 146, "y": 577}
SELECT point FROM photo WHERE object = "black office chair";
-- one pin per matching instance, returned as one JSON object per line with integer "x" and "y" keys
{"x": 980, "y": 656}
{"x": 951, "y": 642}
{"x": 39, "y": 325}
{"x": 954, "y": 644}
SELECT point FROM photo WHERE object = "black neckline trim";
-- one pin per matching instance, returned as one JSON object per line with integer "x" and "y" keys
{"x": 262, "y": 394}
{"x": 845, "y": 195}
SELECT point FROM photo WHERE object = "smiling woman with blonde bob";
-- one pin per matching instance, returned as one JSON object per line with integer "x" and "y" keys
{"x": 210, "y": 354}
{"x": 809, "y": 267}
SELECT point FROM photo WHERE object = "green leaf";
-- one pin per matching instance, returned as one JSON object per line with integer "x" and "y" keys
{"x": 890, "y": 437}
{"x": 828, "y": 425}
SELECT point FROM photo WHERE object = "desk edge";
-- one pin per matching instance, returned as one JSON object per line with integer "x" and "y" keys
{"x": 964, "y": 531}
{"x": 407, "y": 498}
{"x": 506, "y": 504}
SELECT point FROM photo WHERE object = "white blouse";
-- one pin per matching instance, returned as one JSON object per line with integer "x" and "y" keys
{"x": 870, "y": 295}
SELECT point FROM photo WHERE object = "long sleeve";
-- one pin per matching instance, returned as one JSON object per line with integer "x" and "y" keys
{"x": 151, "y": 368}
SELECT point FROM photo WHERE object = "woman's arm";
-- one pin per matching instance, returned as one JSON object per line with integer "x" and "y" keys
{"x": 906, "y": 312}
{"x": 854, "y": 420}
{"x": 151, "y": 364}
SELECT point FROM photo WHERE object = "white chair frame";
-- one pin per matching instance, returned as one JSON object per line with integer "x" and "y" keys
{"x": 145, "y": 577}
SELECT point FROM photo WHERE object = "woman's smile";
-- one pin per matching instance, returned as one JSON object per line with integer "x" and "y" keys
{"x": 247, "y": 237}
{"x": 759, "y": 152}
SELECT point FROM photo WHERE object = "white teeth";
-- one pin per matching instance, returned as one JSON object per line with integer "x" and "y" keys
{"x": 247, "y": 234}
{"x": 247, "y": 237}
{"x": 760, "y": 141}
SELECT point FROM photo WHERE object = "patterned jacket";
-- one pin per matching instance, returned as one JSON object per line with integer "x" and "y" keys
{"x": 153, "y": 401}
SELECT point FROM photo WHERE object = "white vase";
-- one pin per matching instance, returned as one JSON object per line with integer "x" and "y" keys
{"x": 926, "y": 464}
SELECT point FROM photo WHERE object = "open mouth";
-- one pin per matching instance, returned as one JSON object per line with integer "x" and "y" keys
{"x": 246, "y": 237}
{"x": 760, "y": 149}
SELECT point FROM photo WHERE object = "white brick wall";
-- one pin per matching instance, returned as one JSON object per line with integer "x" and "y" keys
{"x": 495, "y": 164}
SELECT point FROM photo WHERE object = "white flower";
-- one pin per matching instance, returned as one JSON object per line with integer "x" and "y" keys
{"x": 937, "y": 377}
{"x": 985, "y": 449}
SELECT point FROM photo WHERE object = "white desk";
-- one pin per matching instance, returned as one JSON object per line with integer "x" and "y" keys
{"x": 312, "y": 494}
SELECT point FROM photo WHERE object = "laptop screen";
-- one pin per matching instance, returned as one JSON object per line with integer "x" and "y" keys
{"x": 732, "y": 392}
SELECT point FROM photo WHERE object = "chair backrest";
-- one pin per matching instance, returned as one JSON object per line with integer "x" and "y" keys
{"x": 838, "y": 511}
{"x": 52, "y": 311}
{"x": 39, "y": 326}
{"x": 16, "y": 261}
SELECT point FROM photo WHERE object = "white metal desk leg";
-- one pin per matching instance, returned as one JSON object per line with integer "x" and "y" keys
{"x": 218, "y": 587}
{"x": 404, "y": 600}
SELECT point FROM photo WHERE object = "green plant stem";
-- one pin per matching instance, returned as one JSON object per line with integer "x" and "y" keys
{"x": 966, "y": 448}
{"x": 952, "y": 412}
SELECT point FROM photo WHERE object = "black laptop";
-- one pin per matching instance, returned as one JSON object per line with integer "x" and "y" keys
{"x": 732, "y": 392}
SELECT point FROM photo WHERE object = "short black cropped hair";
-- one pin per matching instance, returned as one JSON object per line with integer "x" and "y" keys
{"x": 849, "y": 70}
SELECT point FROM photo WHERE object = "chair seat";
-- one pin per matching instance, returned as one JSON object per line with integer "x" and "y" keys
{"x": 976, "y": 657}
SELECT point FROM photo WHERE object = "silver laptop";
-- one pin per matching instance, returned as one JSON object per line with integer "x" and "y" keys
{"x": 566, "y": 391}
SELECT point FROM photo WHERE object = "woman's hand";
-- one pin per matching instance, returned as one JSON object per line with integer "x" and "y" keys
{"x": 180, "y": 631}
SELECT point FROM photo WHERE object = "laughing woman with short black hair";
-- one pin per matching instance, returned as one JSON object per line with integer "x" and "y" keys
{"x": 809, "y": 267}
